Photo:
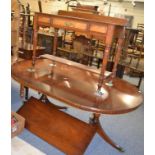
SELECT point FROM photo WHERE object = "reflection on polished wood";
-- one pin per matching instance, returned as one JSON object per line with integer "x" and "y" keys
{"x": 76, "y": 85}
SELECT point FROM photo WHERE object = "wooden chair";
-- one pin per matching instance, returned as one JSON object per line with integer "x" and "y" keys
{"x": 71, "y": 4}
{"x": 135, "y": 52}
{"x": 79, "y": 50}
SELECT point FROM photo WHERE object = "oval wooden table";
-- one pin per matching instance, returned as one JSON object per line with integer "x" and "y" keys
{"x": 75, "y": 85}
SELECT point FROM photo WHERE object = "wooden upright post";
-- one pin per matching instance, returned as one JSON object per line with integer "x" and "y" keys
{"x": 35, "y": 36}
{"x": 108, "y": 43}
{"x": 117, "y": 56}
{"x": 55, "y": 41}
{"x": 15, "y": 6}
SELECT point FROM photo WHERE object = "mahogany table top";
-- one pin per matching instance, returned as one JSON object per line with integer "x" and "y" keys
{"x": 76, "y": 85}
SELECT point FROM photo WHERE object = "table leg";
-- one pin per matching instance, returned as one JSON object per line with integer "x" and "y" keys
{"x": 21, "y": 91}
{"x": 44, "y": 99}
{"x": 26, "y": 93}
{"x": 140, "y": 80}
{"x": 95, "y": 121}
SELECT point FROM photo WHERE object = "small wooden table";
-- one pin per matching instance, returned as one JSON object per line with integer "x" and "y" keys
{"x": 77, "y": 86}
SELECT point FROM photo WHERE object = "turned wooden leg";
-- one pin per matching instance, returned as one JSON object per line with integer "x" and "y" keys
{"x": 95, "y": 121}
{"x": 44, "y": 99}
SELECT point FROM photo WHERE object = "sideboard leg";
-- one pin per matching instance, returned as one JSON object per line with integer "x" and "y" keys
{"x": 95, "y": 121}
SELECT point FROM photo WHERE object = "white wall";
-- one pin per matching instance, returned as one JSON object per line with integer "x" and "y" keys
{"x": 126, "y": 8}
{"x": 47, "y": 6}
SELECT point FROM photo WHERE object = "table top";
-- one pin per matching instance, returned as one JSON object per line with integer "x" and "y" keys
{"x": 76, "y": 85}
